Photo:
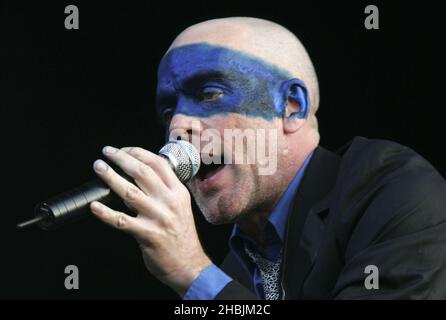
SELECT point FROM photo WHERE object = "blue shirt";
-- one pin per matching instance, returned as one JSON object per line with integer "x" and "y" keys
{"x": 212, "y": 279}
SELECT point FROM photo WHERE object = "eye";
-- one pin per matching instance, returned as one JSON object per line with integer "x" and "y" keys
{"x": 166, "y": 115}
{"x": 210, "y": 94}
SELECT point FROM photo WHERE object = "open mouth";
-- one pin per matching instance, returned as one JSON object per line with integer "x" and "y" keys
{"x": 208, "y": 170}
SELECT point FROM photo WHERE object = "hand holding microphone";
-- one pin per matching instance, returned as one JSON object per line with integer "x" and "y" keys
{"x": 72, "y": 205}
{"x": 164, "y": 226}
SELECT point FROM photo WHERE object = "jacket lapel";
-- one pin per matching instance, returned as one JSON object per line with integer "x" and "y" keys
{"x": 305, "y": 225}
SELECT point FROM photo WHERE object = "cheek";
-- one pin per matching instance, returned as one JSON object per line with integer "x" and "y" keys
{"x": 220, "y": 122}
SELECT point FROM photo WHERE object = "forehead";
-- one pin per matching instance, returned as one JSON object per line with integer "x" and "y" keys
{"x": 188, "y": 61}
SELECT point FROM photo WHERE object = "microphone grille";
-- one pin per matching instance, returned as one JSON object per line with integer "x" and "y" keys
{"x": 183, "y": 157}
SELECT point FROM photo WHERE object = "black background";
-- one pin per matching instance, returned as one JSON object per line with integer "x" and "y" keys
{"x": 67, "y": 93}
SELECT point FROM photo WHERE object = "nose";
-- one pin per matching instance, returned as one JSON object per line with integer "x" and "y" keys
{"x": 183, "y": 127}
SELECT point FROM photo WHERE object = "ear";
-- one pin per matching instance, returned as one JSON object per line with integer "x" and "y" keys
{"x": 296, "y": 105}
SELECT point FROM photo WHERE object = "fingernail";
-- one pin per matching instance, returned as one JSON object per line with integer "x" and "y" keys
{"x": 100, "y": 166}
{"x": 95, "y": 205}
{"x": 109, "y": 150}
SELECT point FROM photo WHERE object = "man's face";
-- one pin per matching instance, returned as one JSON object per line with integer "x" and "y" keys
{"x": 223, "y": 89}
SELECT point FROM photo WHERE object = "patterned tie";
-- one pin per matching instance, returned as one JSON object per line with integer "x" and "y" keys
{"x": 270, "y": 273}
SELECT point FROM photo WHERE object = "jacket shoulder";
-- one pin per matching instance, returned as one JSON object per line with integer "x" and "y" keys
{"x": 386, "y": 190}
{"x": 377, "y": 155}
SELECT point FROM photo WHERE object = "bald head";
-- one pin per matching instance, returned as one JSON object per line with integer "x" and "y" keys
{"x": 260, "y": 38}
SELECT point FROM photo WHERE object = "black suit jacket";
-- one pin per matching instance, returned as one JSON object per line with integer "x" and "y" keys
{"x": 375, "y": 202}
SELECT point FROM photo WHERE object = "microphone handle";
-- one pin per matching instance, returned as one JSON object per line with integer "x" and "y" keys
{"x": 74, "y": 204}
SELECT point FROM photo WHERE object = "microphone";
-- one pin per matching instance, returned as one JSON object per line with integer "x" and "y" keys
{"x": 70, "y": 206}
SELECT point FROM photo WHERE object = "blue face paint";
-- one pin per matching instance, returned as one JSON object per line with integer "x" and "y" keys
{"x": 202, "y": 80}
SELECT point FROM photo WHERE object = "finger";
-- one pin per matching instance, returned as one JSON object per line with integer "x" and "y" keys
{"x": 116, "y": 219}
{"x": 157, "y": 163}
{"x": 144, "y": 175}
{"x": 127, "y": 191}
{"x": 128, "y": 205}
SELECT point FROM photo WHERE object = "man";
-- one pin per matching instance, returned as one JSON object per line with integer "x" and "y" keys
{"x": 313, "y": 229}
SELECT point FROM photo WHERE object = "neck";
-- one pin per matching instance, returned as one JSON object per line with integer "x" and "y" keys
{"x": 253, "y": 223}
